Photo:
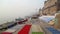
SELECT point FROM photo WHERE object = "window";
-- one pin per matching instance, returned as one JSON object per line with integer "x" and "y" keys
{"x": 49, "y": 9}
{"x": 49, "y": 0}
{"x": 55, "y": 2}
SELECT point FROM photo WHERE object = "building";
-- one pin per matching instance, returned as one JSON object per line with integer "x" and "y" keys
{"x": 51, "y": 7}
{"x": 40, "y": 12}
{"x": 57, "y": 21}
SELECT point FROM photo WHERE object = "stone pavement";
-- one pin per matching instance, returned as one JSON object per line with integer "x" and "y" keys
{"x": 36, "y": 28}
{"x": 19, "y": 28}
{"x": 44, "y": 25}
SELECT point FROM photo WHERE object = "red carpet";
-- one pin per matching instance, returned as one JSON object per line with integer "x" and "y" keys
{"x": 25, "y": 29}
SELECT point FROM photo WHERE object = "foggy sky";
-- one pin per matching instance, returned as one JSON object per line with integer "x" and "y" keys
{"x": 11, "y": 9}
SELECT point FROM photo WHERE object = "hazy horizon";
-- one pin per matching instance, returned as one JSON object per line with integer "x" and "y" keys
{"x": 11, "y": 9}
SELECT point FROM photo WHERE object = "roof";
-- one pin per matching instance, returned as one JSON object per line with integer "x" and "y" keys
{"x": 46, "y": 18}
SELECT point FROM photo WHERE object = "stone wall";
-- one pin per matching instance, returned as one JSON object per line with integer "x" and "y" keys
{"x": 50, "y": 7}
